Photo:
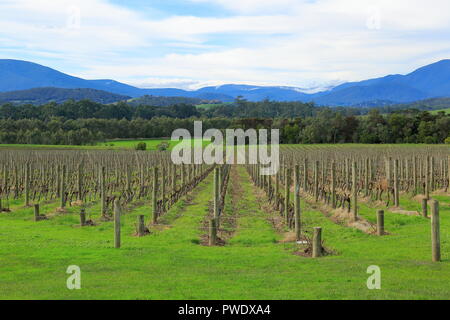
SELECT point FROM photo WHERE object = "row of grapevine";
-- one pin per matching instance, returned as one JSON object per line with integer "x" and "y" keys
{"x": 85, "y": 178}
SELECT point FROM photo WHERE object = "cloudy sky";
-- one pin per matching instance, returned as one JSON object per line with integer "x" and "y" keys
{"x": 192, "y": 43}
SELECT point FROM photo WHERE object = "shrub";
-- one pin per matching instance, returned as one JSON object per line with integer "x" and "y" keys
{"x": 163, "y": 146}
{"x": 447, "y": 141}
{"x": 141, "y": 146}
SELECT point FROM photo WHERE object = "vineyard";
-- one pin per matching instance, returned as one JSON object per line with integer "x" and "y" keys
{"x": 140, "y": 227}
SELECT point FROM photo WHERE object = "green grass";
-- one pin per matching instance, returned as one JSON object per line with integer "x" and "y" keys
{"x": 447, "y": 111}
{"x": 207, "y": 106}
{"x": 171, "y": 264}
{"x": 152, "y": 144}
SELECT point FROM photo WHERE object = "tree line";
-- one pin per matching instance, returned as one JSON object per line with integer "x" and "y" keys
{"x": 324, "y": 127}
{"x": 87, "y": 109}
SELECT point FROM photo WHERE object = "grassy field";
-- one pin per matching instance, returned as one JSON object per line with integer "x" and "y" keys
{"x": 447, "y": 111}
{"x": 152, "y": 144}
{"x": 211, "y": 105}
{"x": 254, "y": 264}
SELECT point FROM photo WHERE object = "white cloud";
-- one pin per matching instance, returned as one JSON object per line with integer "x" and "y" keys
{"x": 285, "y": 42}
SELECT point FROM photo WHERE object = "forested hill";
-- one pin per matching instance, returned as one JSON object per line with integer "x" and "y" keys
{"x": 428, "y": 104}
{"x": 39, "y": 96}
{"x": 86, "y": 122}
{"x": 86, "y": 109}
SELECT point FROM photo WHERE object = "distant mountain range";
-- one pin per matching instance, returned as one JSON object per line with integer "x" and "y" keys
{"x": 22, "y": 75}
{"x": 431, "y": 81}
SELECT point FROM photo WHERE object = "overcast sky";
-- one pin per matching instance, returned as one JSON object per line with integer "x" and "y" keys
{"x": 192, "y": 43}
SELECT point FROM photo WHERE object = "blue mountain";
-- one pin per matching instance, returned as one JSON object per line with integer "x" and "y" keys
{"x": 258, "y": 93}
{"x": 431, "y": 81}
{"x": 22, "y": 75}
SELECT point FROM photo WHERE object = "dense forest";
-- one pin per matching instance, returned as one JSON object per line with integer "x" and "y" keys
{"x": 158, "y": 101}
{"x": 87, "y": 122}
{"x": 87, "y": 109}
{"x": 39, "y": 96}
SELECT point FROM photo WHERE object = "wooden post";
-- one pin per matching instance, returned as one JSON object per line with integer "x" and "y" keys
{"x": 396, "y": 185}
{"x": 264, "y": 182}
{"x": 174, "y": 178}
{"x": 212, "y": 231}
{"x": 287, "y": 183}
{"x": 103, "y": 190}
{"x": 348, "y": 170}
{"x": 354, "y": 193}
{"x": 297, "y": 203}
{"x": 333, "y": 185}
{"x": 219, "y": 179}
{"x": 380, "y": 222}
{"x": 269, "y": 187}
{"x": 427, "y": 179}
{"x": 155, "y": 195}
{"x": 258, "y": 177}
{"x": 448, "y": 174}
{"x": 317, "y": 243}
{"x": 388, "y": 171}
{"x": 305, "y": 175}
{"x": 36, "y": 212}
{"x": 82, "y": 217}
{"x": 414, "y": 175}
{"x": 27, "y": 185}
{"x": 183, "y": 176}
{"x": 432, "y": 180}
{"x": 425, "y": 207}
{"x": 435, "y": 232}
{"x": 140, "y": 226}
{"x": 63, "y": 187}
{"x": 16, "y": 182}
{"x": 366, "y": 177}
{"x": 58, "y": 180}
{"x": 117, "y": 223}
{"x": 80, "y": 182}
{"x": 163, "y": 190}
{"x": 216, "y": 193}
{"x": 277, "y": 186}
{"x": 316, "y": 181}
{"x": 407, "y": 174}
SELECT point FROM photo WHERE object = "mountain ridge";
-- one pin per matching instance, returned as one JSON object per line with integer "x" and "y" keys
{"x": 431, "y": 81}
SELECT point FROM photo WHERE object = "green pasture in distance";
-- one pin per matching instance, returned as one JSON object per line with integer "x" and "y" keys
{"x": 447, "y": 111}
{"x": 211, "y": 105}
{"x": 152, "y": 144}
